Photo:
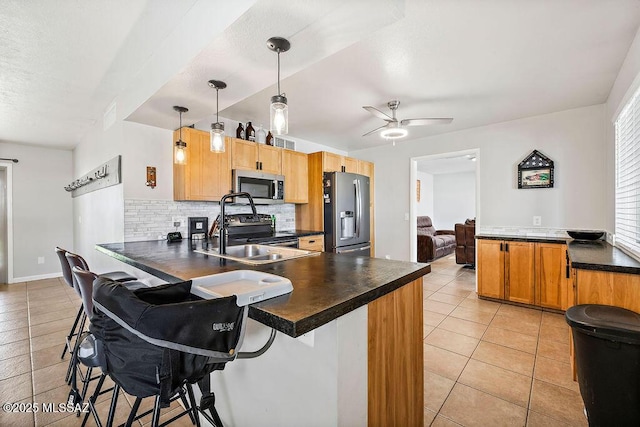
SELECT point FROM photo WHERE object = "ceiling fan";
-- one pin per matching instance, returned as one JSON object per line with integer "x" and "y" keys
{"x": 395, "y": 128}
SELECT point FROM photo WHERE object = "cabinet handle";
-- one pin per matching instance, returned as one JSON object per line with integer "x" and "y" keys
{"x": 567, "y": 272}
{"x": 311, "y": 241}
{"x": 260, "y": 165}
{"x": 257, "y": 165}
{"x": 506, "y": 247}
{"x": 500, "y": 246}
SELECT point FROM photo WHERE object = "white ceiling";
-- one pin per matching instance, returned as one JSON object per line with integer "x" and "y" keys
{"x": 62, "y": 63}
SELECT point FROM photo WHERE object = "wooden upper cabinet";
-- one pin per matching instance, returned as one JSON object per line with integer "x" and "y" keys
{"x": 365, "y": 168}
{"x": 490, "y": 266}
{"x": 207, "y": 175}
{"x": 331, "y": 162}
{"x": 552, "y": 281}
{"x": 270, "y": 159}
{"x": 520, "y": 273}
{"x": 350, "y": 164}
{"x": 250, "y": 155}
{"x": 295, "y": 171}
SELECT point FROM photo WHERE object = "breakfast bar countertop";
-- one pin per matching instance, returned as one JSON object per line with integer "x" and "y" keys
{"x": 325, "y": 286}
{"x": 600, "y": 255}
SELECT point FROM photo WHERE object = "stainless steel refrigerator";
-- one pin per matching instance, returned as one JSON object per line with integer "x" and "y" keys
{"x": 346, "y": 213}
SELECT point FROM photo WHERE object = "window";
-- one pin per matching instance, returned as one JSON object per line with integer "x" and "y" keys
{"x": 627, "y": 128}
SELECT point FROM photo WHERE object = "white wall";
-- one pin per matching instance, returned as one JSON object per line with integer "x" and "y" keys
{"x": 454, "y": 199}
{"x": 572, "y": 138}
{"x": 41, "y": 208}
{"x": 425, "y": 205}
{"x": 624, "y": 87}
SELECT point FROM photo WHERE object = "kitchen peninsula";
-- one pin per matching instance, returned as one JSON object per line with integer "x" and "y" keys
{"x": 350, "y": 352}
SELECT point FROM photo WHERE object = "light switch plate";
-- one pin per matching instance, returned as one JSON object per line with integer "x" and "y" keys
{"x": 537, "y": 220}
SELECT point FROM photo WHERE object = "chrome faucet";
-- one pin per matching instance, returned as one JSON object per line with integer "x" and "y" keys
{"x": 222, "y": 249}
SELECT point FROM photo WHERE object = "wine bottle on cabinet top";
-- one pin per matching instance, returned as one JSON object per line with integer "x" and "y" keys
{"x": 250, "y": 132}
{"x": 240, "y": 131}
{"x": 269, "y": 138}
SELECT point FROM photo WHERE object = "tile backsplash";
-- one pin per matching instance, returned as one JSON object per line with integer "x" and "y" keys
{"x": 152, "y": 219}
{"x": 524, "y": 231}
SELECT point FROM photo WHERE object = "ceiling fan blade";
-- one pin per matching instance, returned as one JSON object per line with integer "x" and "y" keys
{"x": 378, "y": 113}
{"x": 424, "y": 122}
{"x": 375, "y": 130}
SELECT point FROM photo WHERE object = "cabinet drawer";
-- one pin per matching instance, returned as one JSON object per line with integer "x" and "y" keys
{"x": 311, "y": 243}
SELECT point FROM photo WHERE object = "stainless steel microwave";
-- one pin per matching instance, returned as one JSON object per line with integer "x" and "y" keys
{"x": 265, "y": 188}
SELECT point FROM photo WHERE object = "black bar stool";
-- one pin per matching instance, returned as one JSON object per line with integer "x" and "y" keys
{"x": 153, "y": 348}
{"x": 68, "y": 260}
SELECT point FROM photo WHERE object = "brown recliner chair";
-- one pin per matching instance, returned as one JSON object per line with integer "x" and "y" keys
{"x": 466, "y": 243}
{"x": 433, "y": 244}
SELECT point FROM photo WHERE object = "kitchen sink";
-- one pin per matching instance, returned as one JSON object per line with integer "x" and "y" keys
{"x": 258, "y": 254}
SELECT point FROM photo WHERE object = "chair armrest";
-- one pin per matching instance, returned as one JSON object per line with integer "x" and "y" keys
{"x": 441, "y": 232}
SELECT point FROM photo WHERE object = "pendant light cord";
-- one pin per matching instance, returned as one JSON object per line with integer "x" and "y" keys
{"x": 217, "y": 119}
{"x": 180, "y": 126}
{"x": 279, "y": 72}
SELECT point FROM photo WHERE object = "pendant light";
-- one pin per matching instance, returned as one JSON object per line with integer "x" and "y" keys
{"x": 279, "y": 112}
{"x": 180, "y": 148}
{"x": 217, "y": 128}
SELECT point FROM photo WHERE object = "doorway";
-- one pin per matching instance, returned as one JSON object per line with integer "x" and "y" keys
{"x": 4, "y": 241}
{"x": 442, "y": 173}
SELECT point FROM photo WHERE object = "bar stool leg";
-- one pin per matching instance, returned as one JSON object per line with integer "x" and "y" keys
{"x": 72, "y": 333}
{"x": 134, "y": 412}
{"x": 73, "y": 361}
{"x": 193, "y": 414}
{"x": 92, "y": 402}
{"x": 114, "y": 403}
{"x": 156, "y": 412}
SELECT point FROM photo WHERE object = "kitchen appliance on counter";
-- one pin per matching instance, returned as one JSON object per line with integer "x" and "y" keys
{"x": 265, "y": 188}
{"x": 245, "y": 228}
{"x": 346, "y": 213}
{"x": 198, "y": 226}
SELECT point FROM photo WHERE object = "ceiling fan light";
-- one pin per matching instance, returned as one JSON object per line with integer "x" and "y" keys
{"x": 279, "y": 115}
{"x": 217, "y": 137}
{"x": 393, "y": 133}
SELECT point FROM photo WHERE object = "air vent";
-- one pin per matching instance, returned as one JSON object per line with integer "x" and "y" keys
{"x": 283, "y": 143}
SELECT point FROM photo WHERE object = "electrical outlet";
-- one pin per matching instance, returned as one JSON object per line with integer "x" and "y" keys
{"x": 406, "y": 216}
{"x": 537, "y": 220}
{"x": 40, "y": 260}
{"x": 176, "y": 221}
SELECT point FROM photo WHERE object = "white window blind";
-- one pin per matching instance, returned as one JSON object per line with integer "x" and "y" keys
{"x": 627, "y": 128}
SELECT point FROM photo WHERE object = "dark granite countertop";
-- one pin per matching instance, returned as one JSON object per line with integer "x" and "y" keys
{"x": 325, "y": 286}
{"x": 600, "y": 255}
{"x": 513, "y": 238}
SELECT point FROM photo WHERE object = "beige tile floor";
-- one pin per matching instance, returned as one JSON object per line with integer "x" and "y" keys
{"x": 492, "y": 364}
{"x": 486, "y": 364}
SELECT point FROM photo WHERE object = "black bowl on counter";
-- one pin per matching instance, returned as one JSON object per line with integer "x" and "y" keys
{"x": 585, "y": 234}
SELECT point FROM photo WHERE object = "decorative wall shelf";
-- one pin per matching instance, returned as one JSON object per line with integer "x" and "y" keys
{"x": 103, "y": 176}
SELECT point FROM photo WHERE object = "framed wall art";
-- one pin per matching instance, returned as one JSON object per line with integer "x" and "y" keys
{"x": 535, "y": 171}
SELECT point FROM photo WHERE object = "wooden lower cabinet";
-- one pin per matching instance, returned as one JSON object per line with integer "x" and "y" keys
{"x": 490, "y": 267}
{"x": 529, "y": 273}
{"x": 311, "y": 243}
{"x": 519, "y": 267}
{"x": 552, "y": 276}
{"x": 608, "y": 288}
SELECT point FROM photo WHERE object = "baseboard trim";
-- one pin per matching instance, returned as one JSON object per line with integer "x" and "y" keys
{"x": 32, "y": 278}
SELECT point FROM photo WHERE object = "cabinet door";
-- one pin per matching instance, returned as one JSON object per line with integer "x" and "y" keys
{"x": 244, "y": 154}
{"x": 331, "y": 162}
{"x": 350, "y": 164}
{"x": 490, "y": 268}
{"x": 365, "y": 168}
{"x": 552, "y": 279}
{"x": 270, "y": 159}
{"x": 295, "y": 171}
{"x": 206, "y": 176}
{"x": 216, "y": 172}
{"x": 520, "y": 281}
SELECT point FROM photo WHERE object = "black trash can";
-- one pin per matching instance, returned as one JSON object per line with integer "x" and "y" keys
{"x": 607, "y": 348}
